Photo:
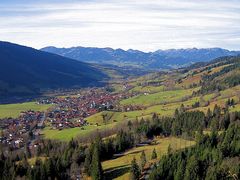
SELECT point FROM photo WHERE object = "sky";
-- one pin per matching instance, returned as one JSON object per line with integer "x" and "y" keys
{"x": 145, "y": 25}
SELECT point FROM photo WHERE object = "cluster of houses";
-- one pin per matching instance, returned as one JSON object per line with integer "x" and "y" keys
{"x": 18, "y": 131}
{"x": 68, "y": 112}
{"x": 71, "y": 111}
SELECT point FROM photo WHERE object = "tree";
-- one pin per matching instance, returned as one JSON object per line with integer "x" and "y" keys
{"x": 96, "y": 167}
{"x": 129, "y": 125}
{"x": 192, "y": 169}
{"x": 182, "y": 109}
{"x": 154, "y": 154}
{"x": 27, "y": 151}
{"x": 216, "y": 111}
{"x": 50, "y": 169}
{"x": 143, "y": 159}
{"x": 88, "y": 158}
{"x": 179, "y": 173}
{"x": 176, "y": 113}
{"x": 170, "y": 150}
{"x": 135, "y": 171}
{"x": 209, "y": 113}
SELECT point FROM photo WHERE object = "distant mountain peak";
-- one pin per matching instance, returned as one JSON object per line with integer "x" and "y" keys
{"x": 158, "y": 59}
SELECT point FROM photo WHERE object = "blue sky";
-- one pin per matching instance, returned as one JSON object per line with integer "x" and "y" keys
{"x": 146, "y": 25}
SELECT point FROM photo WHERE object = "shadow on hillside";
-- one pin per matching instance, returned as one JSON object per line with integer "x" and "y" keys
{"x": 115, "y": 172}
{"x": 135, "y": 152}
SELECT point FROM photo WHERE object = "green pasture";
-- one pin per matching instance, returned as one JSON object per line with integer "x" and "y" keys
{"x": 119, "y": 168}
{"x": 14, "y": 110}
{"x": 147, "y": 89}
{"x": 69, "y": 133}
{"x": 158, "y": 98}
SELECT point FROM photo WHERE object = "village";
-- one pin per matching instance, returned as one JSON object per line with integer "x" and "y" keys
{"x": 72, "y": 111}
{"x": 22, "y": 130}
{"x": 68, "y": 111}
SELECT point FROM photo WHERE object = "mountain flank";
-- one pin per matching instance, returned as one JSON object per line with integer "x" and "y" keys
{"x": 26, "y": 71}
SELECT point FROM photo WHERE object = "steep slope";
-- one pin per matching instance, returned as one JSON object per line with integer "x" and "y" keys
{"x": 158, "y": 59}
{"x": 25, "y": 71}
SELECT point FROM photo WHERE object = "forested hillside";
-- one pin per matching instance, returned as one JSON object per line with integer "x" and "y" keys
{"x": 26, "y": 71}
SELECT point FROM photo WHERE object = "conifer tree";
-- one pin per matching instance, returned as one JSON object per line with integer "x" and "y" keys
{"x": 143, "y": 159}
{"x": 87, "y": 162}
{"x": 154, "y": 154}
{"x": 96, "y": 167}
{"x": 135, "y": 171}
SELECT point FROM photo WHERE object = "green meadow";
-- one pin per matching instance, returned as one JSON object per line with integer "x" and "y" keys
{"x": 119, "y": 168}
{"x": 69, "y": 133}
{"x": 14, "y": 110}
{"x": 158, "y": 98}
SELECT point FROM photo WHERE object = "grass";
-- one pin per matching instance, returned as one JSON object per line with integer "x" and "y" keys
{"x": 147, "y": 89}
{"x": 119, "y": 168}
{"x": 158, "y": 98}
{"x": 69, "y": 133}
{"x": 191, "y": 79}
{"x": 32, "y": 160}
{"x": 14, "y": 110}
{"x": 235, "y": 108}
{"x": 234, "y": 91}
{"x": 209, "y": 97}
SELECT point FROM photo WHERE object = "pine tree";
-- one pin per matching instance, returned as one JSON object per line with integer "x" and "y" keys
{"x": 182, "y": 109}
{"x": 143, "y": 159}
{"x": 192, "y": 169}
{"x": 216, "y": 111}
{"x": 176, "y": 114}
{"x": 135, "y": 171}
{"x": 96, "y": 167}
{"x": 87, "y": 162}
{"x": 209, "y": 113}
{"x": 154, "y": 154}
{"x": 27, "y": 151}
{"x": 170, "y": 150}
{"x": 179, "y": 173}
{"x": 50, "y": 169}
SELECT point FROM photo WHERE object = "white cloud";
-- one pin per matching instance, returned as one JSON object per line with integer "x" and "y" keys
{"x": 146, "y": 25}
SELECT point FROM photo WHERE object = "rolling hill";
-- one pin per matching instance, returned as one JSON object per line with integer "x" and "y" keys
{"x": 163, "y": 59}
{"x": 27, "y": 71}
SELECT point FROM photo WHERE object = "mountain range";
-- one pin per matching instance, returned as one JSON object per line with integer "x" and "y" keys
{"x": 25, "y": 71}
{"x": 160, "y": 59}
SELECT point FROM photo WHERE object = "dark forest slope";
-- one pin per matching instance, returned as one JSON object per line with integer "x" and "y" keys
{"x": 25, "y": 71}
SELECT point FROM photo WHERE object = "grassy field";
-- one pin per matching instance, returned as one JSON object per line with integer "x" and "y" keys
{"x": 235, "y": 108}
{"x": 69, "y": 133}
{"x": 158, "y": 98}
{"x": 14, "y": 110}
{"x": 148, "y": 89}
{"x": 64, "y": 135}
{"x": 119, "y": 168}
